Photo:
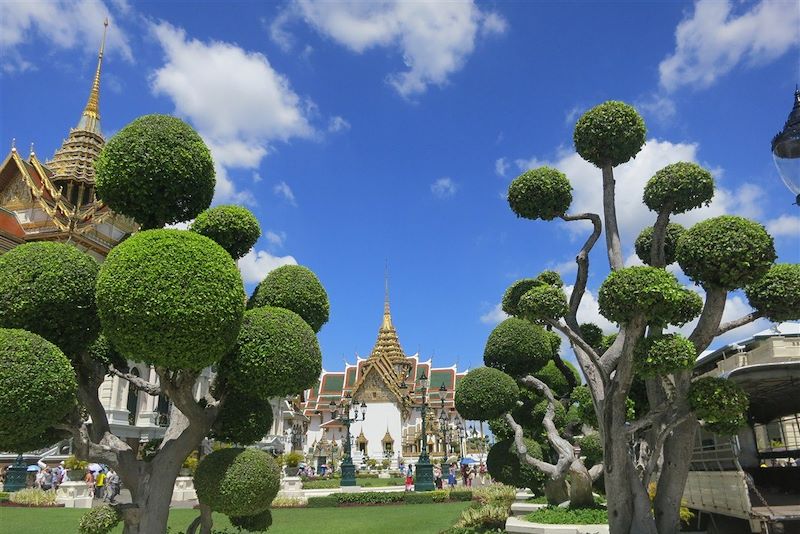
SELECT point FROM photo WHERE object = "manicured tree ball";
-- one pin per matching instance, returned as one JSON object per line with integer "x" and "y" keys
{"x": 485, "y": 393}
{"x": 234, "y": 228}
{"x": 720, "y": 403}
{"x": 170, "y": 298}
{"x": 514, "y": 293}
{"x": 592, "y": 335}
{"x": 543, "y": 302}
{"x": 609, "y": 134}
{"x": 559, "y": 415}
{"x": 645, "y": 240}
{"x": 253, "y": 523}
{"x": 22, "y": 443}
{"x": 505, "y": 467}
{"x": 728, "y": 252}
{"x": 48, "y": 288}
{"x": 156, "y": 170}
{"x": 592, "y": 448}
{"x": 517, "y": 347}
{"x": 276, "y": 354}
{"x": 237, "y": 482}
{"x": 37, "y": 387}
{"x": 777, "y": 293}
{"x": 551, "y": 277}
{"x": 648, "y": 291}
{"x": 681, "y": 187}
{"x": 544, "y": 193}
{"x": 551, "y": 375}
{"x": 660, "y": 355}
{"x": 242, "y": 420}
{"x": 295, "y": 288}
{"x": 500, "y": 429}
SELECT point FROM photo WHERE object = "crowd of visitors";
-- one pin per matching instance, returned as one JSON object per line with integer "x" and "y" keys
{"x": 102, "y": 481}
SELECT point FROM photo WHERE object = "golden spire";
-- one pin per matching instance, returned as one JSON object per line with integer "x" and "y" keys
{"x": 387, "y": 314}
{"x": 90, "y": 120}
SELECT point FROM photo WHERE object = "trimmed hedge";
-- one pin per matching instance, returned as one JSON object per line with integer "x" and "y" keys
{"x": 237, "y": 482}
{"x": 518, "y": 347}
{"x": 543, "y": 302}
{"x": 371, "y": 497}
{"x": 234, "y": 228}
{"x": 327, "y": 501}
{"x": 170, "y": 298}
{"x": 388, "y": 497}
{"x": 543, "y": 193}
{"x": 423, "y": 497}
{"x": 554, "y": 515}
{"x": 295, "y": 288}
{"x": 157, "y": 170}
{"x": 485, "y": 393}
{"x": 728, "y": 252}
{"x": 611, "y": 133}
{"x": 37, "y": 389}
{"x": 461, "y": 495}
{"x": 48, "y": 288}
{"x": 276, "y": 354}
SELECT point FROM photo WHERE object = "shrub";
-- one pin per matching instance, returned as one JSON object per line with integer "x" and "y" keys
{"x": 73, "y": 463}
{"x": 485, "y": 393}
{"x": 517, "y": 347}
{"x": 48, "y": 289}
{"x": 591, "y": 334}
{"x": 553, "y": 515}
{"x": 487, "y": 516}
{"x": 242, "y": 419}
{"x": 496, "y": 494}
{"x": 328, "y": 501}
{"x": 293, "y": 459}
{"x": 254, "y": 523}
{"x": 99, "y": 520}
{"x": 418, "y": 498}
{"x": 555, "y": 379}
{"x": 777, "y": 293}
{"x": 234, "y": 228}
{"x": 33, "y": 497}
{"x": 295, "y": 288}
{"x": 648, "y": 291}
{"x": 505, "y": 467}
{"x": 237, "y": 482}
{"x": 728, "y": 252}
{"x": 544, "y": 193}
{"x": 660, "y": 355}
{"x": 441, "y": 495}
{"x": 276, "y": 354}
{"x": 287, "y": 502}
{"x": 680, "y": 186}
{"x": 37, "y": 388}
{"x": 170, "y": 298}
{"x": 370, "y": 497}
{"x": 461, "y": 495}
{"x": 157, "y": 170}
{"x": 543, "y": 302}
{"x": 4, "y": 496}
{"x": 720, "y": 403}
{"x": 609, "y": 134}
{"x": 591, "y": 447}
{"x": 645, "y": 240}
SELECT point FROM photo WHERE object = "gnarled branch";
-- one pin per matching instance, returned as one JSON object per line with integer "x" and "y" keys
{"x": 582, "y": 259}
{"x": 708, "y": 324}
{"x": 741, "y": 321}
{"x": 576, "y": 339}
{"x": 138, "y": 382}
{"x": 657, "y": 255}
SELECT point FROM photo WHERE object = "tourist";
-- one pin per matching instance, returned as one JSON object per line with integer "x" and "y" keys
{"x": 471, "y": 476}
{"x": 464, "y": 474}
{"x": 89, "y": 479}
{"x": 99, "y": 485}
{"x": 47, "y": 479}
{"x": 38, "y": 482}
{"x": 112, "y": 483}
{"x": 437, "y": 476}
{"x": 409, "y": 478}
{"x": 482, "y": 473}
{"x": 451, "y": 477}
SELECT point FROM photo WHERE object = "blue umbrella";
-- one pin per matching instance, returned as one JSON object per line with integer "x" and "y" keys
{"x": 467, "y": 461}
{"x": 33, "y": 468}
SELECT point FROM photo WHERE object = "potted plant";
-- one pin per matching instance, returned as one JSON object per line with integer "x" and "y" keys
{"x": 292, "y": 460}
{"x": 189, "y": 465}
{"x": 76, "y": 469}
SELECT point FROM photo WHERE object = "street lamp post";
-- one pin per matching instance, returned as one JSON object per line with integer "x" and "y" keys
{"x": 424, "y": 479}
{"x": 786, "y": 149}
{"x": 342, "y": 414}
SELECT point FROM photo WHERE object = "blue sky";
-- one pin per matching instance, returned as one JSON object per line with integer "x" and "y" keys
{"x": 366, "y": 133}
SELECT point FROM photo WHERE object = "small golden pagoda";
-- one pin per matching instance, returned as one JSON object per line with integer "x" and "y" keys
{"x": 56, "y": 201}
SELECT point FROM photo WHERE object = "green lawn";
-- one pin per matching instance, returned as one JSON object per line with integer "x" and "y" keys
{"x": 417, "y": 518}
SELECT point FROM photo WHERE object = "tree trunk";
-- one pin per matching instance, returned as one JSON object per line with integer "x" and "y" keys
{"x": 580, "y": 486}
{"x": 556, "y": 490}
{"x": 674, "y": 472}
{"x": 149, "y": 511}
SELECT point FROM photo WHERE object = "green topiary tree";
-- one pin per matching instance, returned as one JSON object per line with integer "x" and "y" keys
{"x": 295, "y": 288}
{"x": 253, "y": 523}
{"x": 156, "y": 170}
{"x": 517, "y": 347}
{"x": 234, "y": 228}
{"x": 638, "y": 381}
{"x": 35, "y": 377}
{"x": 171, "y": 298}
{"x": 543, "y": 193}
{"x": 237, "y": 482}
{"x": 485, "y": 393}
{"x": 504, "y": 466}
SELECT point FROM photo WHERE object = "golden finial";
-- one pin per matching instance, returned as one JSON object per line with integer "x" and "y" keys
{"x": 32, "y": 152}
{"x": 90, "y": 120}
{"x": 387, "y": 314}
{"x": 13, "y": 144}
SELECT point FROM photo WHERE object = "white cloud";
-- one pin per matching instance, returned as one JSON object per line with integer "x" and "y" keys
{"x": 63, "y": 24}
{"x": 444, "y": 188}
{"x": 435, "y": 38}
{"x": 338, "y": 124}
{"x": 572, "y": 114}
{"x": 236, "y": 100}
{"x": 283, "y": 190}
{"x": 632, "y": 214}
{"x": 255, "y": 265}
{"x": 589, "y": 311}
{"x": 784, "y": 226}
{"x": 494, "y": 316}
{"x": 658, "y": 106}
{"x": 714, "y": 40}
{"x": 275, "y": 239}
{"x": 501, "y": 166}
{"x": 565, "y": 267}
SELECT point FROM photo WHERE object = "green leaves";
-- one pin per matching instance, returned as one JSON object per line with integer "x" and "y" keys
{"x": 777, "y": 293}
{"x": 611, "y": 133}
{"x": 234, "y": 228}
{"x": 485, "y": 393}
{"x": 683, "y": 186}
{"x": 518, "y": 347}
{"x": 543, "y": 193}
{"x": 295, "y": 288}
{"x": 720, "y": 403}
{"x": 543, "y": 302}
{"x": 645, "y": 240}
{"x": 660, "y": 355}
